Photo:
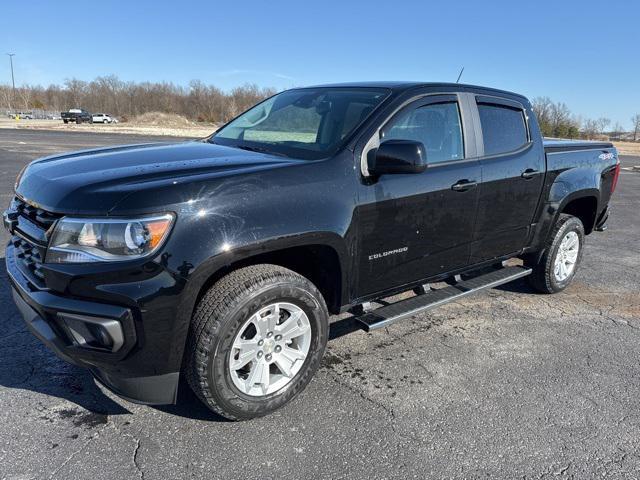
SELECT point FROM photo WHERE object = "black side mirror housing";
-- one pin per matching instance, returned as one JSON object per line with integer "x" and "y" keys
{"x": 398, "y": 156}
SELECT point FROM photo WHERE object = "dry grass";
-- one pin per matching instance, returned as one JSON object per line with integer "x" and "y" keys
{"x": 628, "y": 148}
{"x": 159, "y": 119}
{"x": 154, "y": 124}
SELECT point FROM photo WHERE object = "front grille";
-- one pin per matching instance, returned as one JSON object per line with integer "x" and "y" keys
{"x": 29, "y": 257}
{"x": 41, "y": 218}
{"x": 31, "y": 234}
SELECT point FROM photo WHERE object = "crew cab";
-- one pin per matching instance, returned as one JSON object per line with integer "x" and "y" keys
{"x": 76, "y": 115}
{"x": 220, "y": 260}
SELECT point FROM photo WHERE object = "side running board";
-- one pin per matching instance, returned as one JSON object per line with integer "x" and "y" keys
{"x": 383, "y": 316}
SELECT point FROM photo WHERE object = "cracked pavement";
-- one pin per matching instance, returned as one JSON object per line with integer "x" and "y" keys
{"x": 505, "y": 384}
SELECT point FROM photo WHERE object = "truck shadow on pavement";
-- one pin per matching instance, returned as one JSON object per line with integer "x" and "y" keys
{"x": 26, "y": 364}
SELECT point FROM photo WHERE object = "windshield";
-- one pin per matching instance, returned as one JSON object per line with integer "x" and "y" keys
{"x": 305, "y": 123}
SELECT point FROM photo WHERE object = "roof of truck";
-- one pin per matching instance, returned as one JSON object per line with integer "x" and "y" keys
{"x": 403, "y": 85}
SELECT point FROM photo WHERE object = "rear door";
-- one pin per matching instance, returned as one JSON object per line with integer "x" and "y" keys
{"x": 512, "y": 177}
{"x": 413, "y": 226}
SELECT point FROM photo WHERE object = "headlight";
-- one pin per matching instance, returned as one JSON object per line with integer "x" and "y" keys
{"x": 81, "y": 240}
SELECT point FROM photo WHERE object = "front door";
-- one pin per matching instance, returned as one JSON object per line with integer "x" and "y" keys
{"x": 414, "y": 226}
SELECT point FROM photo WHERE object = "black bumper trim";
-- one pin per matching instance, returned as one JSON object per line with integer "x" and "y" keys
{"x": 40, "y": 328}
{"x": 154, "y": 390}
{"x": 40, "y": 310}
{"x": 151, "y": 390}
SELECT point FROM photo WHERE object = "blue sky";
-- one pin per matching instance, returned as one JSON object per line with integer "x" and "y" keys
{"x": 584, "y": 53}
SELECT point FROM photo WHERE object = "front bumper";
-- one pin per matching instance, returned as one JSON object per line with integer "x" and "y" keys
{"x": 130, "y": 372}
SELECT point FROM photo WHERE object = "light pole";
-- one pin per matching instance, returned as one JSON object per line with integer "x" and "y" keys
{"x": 13, "y": 81}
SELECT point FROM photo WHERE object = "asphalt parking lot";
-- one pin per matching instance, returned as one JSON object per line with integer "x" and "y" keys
{"x": 505, "y": 384}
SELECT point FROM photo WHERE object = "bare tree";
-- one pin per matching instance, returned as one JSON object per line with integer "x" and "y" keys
{"x": 6, "y": 97}
{"x": 75, "y": 92}
{"x": 25, "y": 94}
{"x": 617, "y": 132}
{"x": 590, "y": 129}
{"x": 636, "y": 126}
{"x": 542, "y": 107}
{"x": 602, "y": 123}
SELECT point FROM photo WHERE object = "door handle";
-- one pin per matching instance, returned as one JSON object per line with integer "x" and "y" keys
{"x": 464, "y": 185}
{"x": 529, "y": 173}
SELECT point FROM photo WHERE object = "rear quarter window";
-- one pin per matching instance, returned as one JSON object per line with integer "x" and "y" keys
{"x": 503, "y": 128}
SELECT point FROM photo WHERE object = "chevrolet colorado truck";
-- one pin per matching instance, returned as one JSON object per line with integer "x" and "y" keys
{"x": 220, "y": 260}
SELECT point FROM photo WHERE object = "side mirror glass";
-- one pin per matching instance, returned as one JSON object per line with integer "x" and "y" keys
{"x": 399, "y": 156}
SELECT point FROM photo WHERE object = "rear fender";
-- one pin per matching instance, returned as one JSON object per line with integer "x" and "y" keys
{"x": 561, "y": 195}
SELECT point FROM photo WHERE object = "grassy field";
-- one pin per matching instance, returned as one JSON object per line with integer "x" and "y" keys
{"x": 628, "y": 148}
{"x": 173, "y": 130}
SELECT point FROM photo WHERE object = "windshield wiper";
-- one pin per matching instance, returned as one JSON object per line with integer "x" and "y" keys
{"x": 252, "y": 148}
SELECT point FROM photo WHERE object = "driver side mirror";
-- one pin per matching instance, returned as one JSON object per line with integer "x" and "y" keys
{"x": 399, "y": 156}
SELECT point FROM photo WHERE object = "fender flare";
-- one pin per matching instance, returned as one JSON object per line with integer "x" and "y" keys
{"x": 202, "y": 274}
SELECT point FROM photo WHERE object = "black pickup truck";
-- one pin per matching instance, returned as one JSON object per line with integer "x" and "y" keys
{"x": 220, "y": 260}
{"x": 76, "y": 115}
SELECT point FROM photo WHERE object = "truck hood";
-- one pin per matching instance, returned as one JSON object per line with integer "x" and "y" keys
{"x": 93, "y": 181}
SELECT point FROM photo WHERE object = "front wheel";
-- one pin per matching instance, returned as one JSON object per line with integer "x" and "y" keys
{"x": 256, "y": 339}
{"x": 563, "y": 252}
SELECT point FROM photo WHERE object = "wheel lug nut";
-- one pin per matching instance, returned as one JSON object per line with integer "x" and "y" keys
{"x": 278, "y": 348}
{"x": 260, "y": 354}
{"x": 268, "y": 357}
{"x": 270, "y": 334}
{"x": 278, "y": 338}
{"x": 260, "y": 343}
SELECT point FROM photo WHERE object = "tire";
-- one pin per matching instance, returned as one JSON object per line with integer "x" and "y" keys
{"x": 545, "y": 277}
{"x": 66, "y": 121}
{"x": 78, "y": 121}
{"x": 105, "y": 121}
{"x": 221, "y": 317}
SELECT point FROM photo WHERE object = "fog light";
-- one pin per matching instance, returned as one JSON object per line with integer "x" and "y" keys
{"x": 94, "y": 333}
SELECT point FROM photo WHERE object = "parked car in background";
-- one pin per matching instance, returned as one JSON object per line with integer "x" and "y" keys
{"x": 103, "y": 118}
{"x": 76, "y": 115}
{"x": 22, "y": 115}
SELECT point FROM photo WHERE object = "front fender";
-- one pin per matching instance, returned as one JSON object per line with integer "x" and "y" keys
{"x": 217, "y": 265}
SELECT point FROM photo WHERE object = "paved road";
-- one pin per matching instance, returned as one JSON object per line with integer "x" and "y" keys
{"x": 506, "y": 384}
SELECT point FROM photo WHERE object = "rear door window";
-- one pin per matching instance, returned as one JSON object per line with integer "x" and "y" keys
{"x": 503, "y": 128}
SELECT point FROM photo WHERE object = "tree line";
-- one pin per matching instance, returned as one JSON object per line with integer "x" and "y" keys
{"x": 197, "y": 101}
{"x": 556, "y": 120}
{"x": 207, "y": 103}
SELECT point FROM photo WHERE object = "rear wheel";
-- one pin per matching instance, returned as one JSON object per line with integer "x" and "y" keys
{"x": 256, "y": 339}
{"x": 563, "y": 252}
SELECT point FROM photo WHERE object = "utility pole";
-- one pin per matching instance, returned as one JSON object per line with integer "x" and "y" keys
{"x": 13, "y": 81}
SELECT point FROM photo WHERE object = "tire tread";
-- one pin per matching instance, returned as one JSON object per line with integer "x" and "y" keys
{"x": 223, "y": 297}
